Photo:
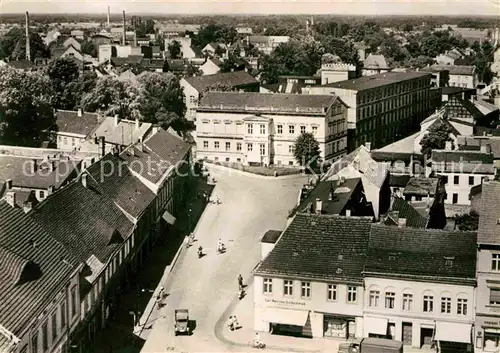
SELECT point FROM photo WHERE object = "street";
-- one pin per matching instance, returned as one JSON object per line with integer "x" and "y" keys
{"x": 249, "y": 207}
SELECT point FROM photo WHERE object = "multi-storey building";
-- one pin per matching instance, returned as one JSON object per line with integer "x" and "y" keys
{"x": 311, "y": 282}
{"x": 261, "y": 128}
{"x": 458, "y": 75}
{"x": 419, "y": 287}
{"x": 487, "y": 332}
{"x": 383, "y": 108}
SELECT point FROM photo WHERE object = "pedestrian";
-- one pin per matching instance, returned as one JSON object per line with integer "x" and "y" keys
{"x": 257, "y": 338}
{"x": 235, "y": 323}
{"x": 240, "y": 281}
{"x": 230, "y": 323}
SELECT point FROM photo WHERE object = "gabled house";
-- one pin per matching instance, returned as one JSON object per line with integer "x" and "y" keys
{"x": 211, "y": 66}
{"x": 375, "y": 64}
{"x": 72, "y": 42}
{"x": 78, "y": 34}
{"x": 459, "y": 75}
{"x": 449, "y": 57}
{"x": 72, "y": 128}
{"x": 215, "y": 49}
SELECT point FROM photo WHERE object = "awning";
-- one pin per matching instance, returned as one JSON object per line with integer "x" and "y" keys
{"x": 375, "y": 325}
{"x": 453, "y": 332}
{"x": 168, "y": 218}
{"x": 285, "y": 316}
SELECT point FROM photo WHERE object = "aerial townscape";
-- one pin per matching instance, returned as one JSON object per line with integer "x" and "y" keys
{"x": 235, "y": 183}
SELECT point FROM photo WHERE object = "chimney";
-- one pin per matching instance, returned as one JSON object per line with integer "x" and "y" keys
{"x": 10, "y": 197}
{"x": 102, "y": 146}
{"x": 8, "y": 184}
{"x": 448, "y": 146}
{"x": 137, "y": 124}
{"x": 27, "y": 206}
{"x": 124, "y": 39}
{"x": 348, "y": 213}
{"x": 319, "y": 206}
{"x": 132, "y": 151}
{"x": 109, "y": 17}
{"x": 52, "y": 165}
{"x": 28, "y": 51}
{"x": 84, "y": 180}
{"x": 79, "y": 114}
{"x": 368, "y": 146}
{"x": 117, "y": 120}
{"x": 330, "y": 194}
{"x": 341, "y": 180}
{"x": 402, "y": 222}
{"x": 34, "y": 166}
{"x": 50, "y": 189}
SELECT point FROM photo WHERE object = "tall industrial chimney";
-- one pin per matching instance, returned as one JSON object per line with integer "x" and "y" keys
{"x": 109, "y": 15}
{"x": 28, "y": 51}
{"x": 124, "y": 29}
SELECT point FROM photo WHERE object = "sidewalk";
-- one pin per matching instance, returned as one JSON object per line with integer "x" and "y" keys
{"x": 230, "y": 170}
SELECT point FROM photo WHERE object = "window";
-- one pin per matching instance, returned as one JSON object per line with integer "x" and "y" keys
{"x": 65, "y": 140}
{"x": 494, "y": 296}
{"x": 495, "y": 262}
{"x": 262, "y": 129}
{"x": 42, "y": 194}
{"x": 228, "y": 146}
{"x": 63, "y": 315}
{"x": 407, "y": 301}
{"x": 471, "y": 180}
{"x": 205, "y": 144}
{"x": 291, "y": 129}
{"x": 456, "y": 180}
{"x": 249, "y": 147}
{"x": 73, "y": 141}
{"x": 238, "y": 146}
{"x": 455, "y": 198}
{"x": 305, "y": 290}
{"x": 461, "y": 306}
{"x": 45, "y": 337}
{"x": 216, "y": 145}
{"x": 287, "y": 287}
{"x": 314, "y": 130}
{"x": 268, "y": 285}
{"x": 374, "y": 298}
{"x": 280, "y": 129}
{"x": 291, "y": 149}
{"x": 72, "y": 313}
{"x": 192, "y": 99}
{"x": 390, "y": 298}
{"x": 262, "y": 149}
{"x": 250, "y": 129}
{"x": 302, "y": 129}
{"x": 54, "y": 325}
{"x": 428, "y": 303}
{"x": 445, "y": 305}
{"x": 351, "y": 294}
{"x": 34, "y": 343}
{"x": 331, "y": 292}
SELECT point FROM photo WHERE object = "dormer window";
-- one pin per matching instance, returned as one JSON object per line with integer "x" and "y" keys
{"x": 449, "y": 260}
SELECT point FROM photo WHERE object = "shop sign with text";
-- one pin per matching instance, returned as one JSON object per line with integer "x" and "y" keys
{"x": 284, "y": 302}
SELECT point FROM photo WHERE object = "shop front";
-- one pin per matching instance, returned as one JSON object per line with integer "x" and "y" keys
{"x": 375, "y": 327}
{"x": 453, "y": 337}
{"x": 288, "y": 321}
{"x": 339, "y": 326}
{"x": 487, "y": 335}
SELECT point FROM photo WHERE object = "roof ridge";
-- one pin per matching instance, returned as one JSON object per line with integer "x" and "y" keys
{"x": 427, "y": 230}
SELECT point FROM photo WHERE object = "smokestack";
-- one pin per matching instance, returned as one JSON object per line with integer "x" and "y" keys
{"x": 109, "y": 16}
{"x": 124, "y": 28}
{"x": 28, "y": 51}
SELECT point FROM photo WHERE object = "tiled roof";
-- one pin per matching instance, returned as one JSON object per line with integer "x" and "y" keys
{"x": 84, "y": 220}
{"x": 128, "y": 76}
{"x": 28, "y": 253}
{"x": 369, "y": 82}
{"x": 125, "y": 133}
{"x": 69, "y": 121}
{"x": 320, "y": 247}
{"x": 462, "y": 162}
{"x": 421, "y": 186}
{"x": 130, "y": 60}
{"x": 159, "y": 153}
{"x": 455, "y": 90}
{"x": 410, "y": 252}
{"x": 475, "y": 143}
{"x": 489, "y": 210}
{"x": 375, "y": 62}
{"x": 18, "y": 169}
{"x": 234, "y": 79}
{"x": 267, "y": 102}
{"x": 271, "y": 236}
{"x": 114, "y": 177}
{"x": 404, "y": 146}
{"x": 455, "y": 69}
{"x": 413, "y": 218}
{"x": 398, "y": 180}
{"x": 485, "y": 107}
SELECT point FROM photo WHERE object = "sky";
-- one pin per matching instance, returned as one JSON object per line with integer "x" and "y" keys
{"x": 337, "y": 7}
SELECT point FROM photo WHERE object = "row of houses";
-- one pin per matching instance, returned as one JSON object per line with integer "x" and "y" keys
{"x": 66, "y": 258}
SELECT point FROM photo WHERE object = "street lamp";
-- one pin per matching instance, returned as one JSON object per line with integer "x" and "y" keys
{"x": 189, "y": 219}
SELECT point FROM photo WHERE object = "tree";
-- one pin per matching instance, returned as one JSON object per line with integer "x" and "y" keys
{"x": 193, "y": 70}
{"x": 88, "y": 47}
{"x": 436, "y": 138}
{"x": 214, "y": 33}
{"x": 219, "y": 87}
{"x": 63, "y": 73}
{"x": 174, "y": 48}
{"x": 9, "y": 41}
{"x": 37, "y": 48}
{"x": 25, "y": 107}
{"x": 307, "y": 151}
{"x": 467, "y": 221}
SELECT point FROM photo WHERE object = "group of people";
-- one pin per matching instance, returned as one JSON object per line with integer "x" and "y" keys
{"x": 233, "y": 323}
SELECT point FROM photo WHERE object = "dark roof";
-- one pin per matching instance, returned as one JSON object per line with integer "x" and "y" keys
{"x": 410, "y": 252}
{"x": 455, "y": 69}
{"x": 398, "y": 180}
{"x": 160, "y": 152}
{"x": 473, "y": 162}
{"x": 383, "y": 156}
{"x": 489, "y": 211}
{"x": 153, "y": 63}
{"x": 320, "y": 247}
{"x": 268, "y": 103}
{"x": 334, "y": 196}
{"x": 32, "y": 270}
{"x": 177, "y": 64}
{"x": 69, "y": 121}
{"x": 421, "y": 186}
{"x": 130, "y": 60}
{"x": 271, "y": 236}
{"x": 84, "y": 220}
{"x": 234, "y": 79}
{"x": 456, "y": 90}
{"x": 369, "y": 82}
{"x": 404, "y": 210}
{"x": 114, "y": 177}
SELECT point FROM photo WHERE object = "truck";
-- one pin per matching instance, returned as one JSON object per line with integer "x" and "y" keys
{"x": 372, "y": 345}
{"x": 181, "y": 317}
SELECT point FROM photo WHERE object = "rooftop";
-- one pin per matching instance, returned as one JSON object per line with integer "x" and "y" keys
{"x": 403, "y": 209}
{"x": 489, "y": 210}
{"x": 453, "y": 69}
{"x": 337, "y": 244}
{"x": 234, "y": 79}
{"x": 267, "y": 102}
{"x": 435, "y": 255}
{"x": 421, "y": 186}
{"x": 122, "y": 132}
{"x": 369, "y": 82}
{"x": 459, "y": 161}
{"x": 375, "y": 62}
{"x": 271, "y": 236}
{"x": 69, "y": 121}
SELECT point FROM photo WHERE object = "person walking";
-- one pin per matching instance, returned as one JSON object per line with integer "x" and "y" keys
{"x": 240, "y": 282}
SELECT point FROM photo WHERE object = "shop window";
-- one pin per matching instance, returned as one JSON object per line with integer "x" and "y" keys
{"x": 268, "y": 285}
{"x": 288, "y": 287}
{"x": 335, "y": 327}
{"x": 305, "y": 290}
{"x": 491, "y": 341}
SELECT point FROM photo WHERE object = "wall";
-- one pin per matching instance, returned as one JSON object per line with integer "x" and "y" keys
{"x": 466, "y": 81}
{"x": 192, "y": 96}
{"x": 462, "y": 189}
{"x": 104, "y": 53}
{"x": 209, "y": 68}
